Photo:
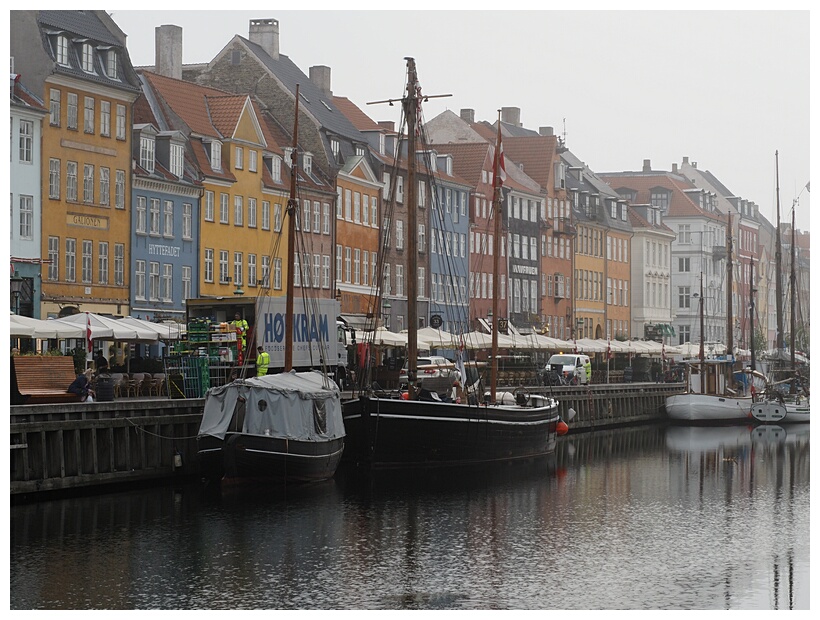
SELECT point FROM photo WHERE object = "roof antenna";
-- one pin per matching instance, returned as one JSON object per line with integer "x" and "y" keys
{"x": 564, "y": 135}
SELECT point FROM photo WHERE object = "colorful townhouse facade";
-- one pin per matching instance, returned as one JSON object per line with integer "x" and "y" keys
{"x": 25, "y": 184}
{"x": 77, "y": 61}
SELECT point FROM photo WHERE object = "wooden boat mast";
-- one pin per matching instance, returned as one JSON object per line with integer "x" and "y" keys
{"x": 792, "y": 323}
{"x": 293, "y": 209}
{"x": 778, "y": 257}
{"x": 411, "y": 103}
{"x": 702, "y": 351}
{"x": 730, "y": 331}
{"x": 497, "y": 201}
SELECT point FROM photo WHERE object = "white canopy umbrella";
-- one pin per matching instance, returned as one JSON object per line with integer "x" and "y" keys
{"x": 526, "y": 342}
{"x": 165, "y": 331}
{"x": 105, "y": 328}
{"x": 436, "y": 338}
{"x": 43, "y": 329}
{"x": 587, "y": 345}
{"x": 483, "y": 340}
{"x": 384, "y": 337}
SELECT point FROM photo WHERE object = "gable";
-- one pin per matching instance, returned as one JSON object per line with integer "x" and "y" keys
{"x": 248, "y": 128}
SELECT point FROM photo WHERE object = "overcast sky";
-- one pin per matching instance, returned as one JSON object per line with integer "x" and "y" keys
{"x": 723, "y": 88}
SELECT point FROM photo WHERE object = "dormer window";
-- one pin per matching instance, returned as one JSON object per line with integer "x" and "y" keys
{"x": 359, "y": 150}
{"x": 176, "y": 160}
{"x": 88, "y": 58}
{"x": 111, "y": 64}
{"x": 449, "y": 165}
{"x": 147, "y": 144}
{"x": 276, "y": 169}
{"x": 307, "y": 163}
{"x": 216, "y": 155}
{"x": 660, "y": 198}
{"x": 334, "y": 147}
{"x": 62, "y": 49}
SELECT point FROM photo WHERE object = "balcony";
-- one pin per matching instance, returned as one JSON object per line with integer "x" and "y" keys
{"x": 564, "y": 227}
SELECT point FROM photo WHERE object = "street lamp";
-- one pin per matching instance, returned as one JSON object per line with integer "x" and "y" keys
{"x": 16, "y": 289}
{"x": 386, "y": 313}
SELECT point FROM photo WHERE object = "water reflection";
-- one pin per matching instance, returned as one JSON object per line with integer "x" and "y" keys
{"x": 643, "y": 518}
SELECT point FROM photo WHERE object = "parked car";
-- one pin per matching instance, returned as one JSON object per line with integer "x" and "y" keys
{"x": 570, "y": 366}
{"x": 434, "y": 373}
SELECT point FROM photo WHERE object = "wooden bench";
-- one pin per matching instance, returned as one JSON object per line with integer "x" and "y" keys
{"x": 42, "y": 379}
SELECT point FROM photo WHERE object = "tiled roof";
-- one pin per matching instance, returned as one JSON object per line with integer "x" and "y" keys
{"x": 225, "y": 111}
{"x": 637, "y": 221}
{"x": 22, "y": 96}
{"x": 535, "y": 153}
{"x": 468, "y": 159}
{"x": 188, "y": 101}
{"x": 360, "y": 120}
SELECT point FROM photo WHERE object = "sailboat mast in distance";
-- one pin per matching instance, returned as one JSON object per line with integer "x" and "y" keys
{"x": 292, "y": 211}
{"x": 498, "y": 178}
{"x": 411, "y": 106}
{"x": 778, "y": 261}
{"x": 792, "y": 323}
{"x": 730, "y": 323}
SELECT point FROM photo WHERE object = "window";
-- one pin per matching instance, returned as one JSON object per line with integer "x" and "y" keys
{"x": 153, "y": 281}
{"x": 147, "y": 145}
{"x": 88, "y": 183}
{"x": 223, "y": 208}
{"x": 251, "y": 211}
{"x": 317, "y": 217}
{"x": 238, "y": 211}
{"x": 120, "y": 122}
{"x": 334, "y": 148}
{"x": 325, "y": 218}
{"x": 166, "y": 288}
{"x": 326, "y": 270}
{"x": 102, "y": 262}
{"x": 251, "y": 269}
{"x": 105, "y": 186}
{"x": 187, "y": 221}
{"x": 277, "y": 274}
{"x": 54, "y": 107}
{"x": 306, "y": 215}
{"x": 338, "y": 202}
{"x": 26, "y": 217}
{"x": 119, "y": 264}
{"x": 54, "y": 258}
{"x": 62, "y": 50}
{"x": 684, "y": 234}
{"x": 684, "y": 296}
{"x": 373, "y": 210}
{"x": 111, "y": 64}
{"x": 348, "y": 205}
{"x": 338, "y": 262}
{"x": 659, "y": 198}
{"x": 683, "y": 265}
{"x": 139, "y": 279}
{"x": 265, "y": 215}
{"x": 70, "y": 260}
{"x": 142, "y": 215}
{"x": 239, "y": 163}
{"x": 348, "y": 265}
{"x": 277, "y": 217}
{"x": 237, "y": 268}
{"x": 223, "y": 267}
{"x": 119, "y": 190}
{"x": 297, "y": 271}
{"x": 72, "y": 112}
{"x": 307, "y": 163}
{"x": 26, "y": 132}
{"x": 399, "y": 235}
{"x": 88, "y": 58}
{"x": 276, "y": 169}
{"x": 88, "y": 116}
{"x": 252, "y": 160}
{"x": 399, "y": 279}
{"x": 186, "y": 282}
{"x": 357, "y": 207}
{"x": 209, "y": 206}
{"x": 317, "y": 268}
{"x": 209, "y": 265}
{"x": 168, "y": 223}
{"x": 177, "y": 160}
{"x": 71, "y": 181}
{"x": 357, "y": 266}
{"x": 422, "y": 282}
{"x": 421, "y": 240}
{"x": 54, "y": 178}
{"x": 105, "y": 118}
{"x": 216, "y": 155}
{"x": 153, "y": 217}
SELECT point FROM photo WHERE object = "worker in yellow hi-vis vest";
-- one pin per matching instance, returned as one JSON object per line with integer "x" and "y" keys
{"x": 262, "y": 362}
{"x": 241, "y": 325}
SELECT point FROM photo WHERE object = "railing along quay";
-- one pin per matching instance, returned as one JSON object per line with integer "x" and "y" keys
{"x": 70, "y": 446}
{"x": 74, "y": 445}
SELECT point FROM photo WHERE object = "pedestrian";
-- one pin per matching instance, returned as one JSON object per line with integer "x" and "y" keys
{"x": 262, "y": 362}
{"x": 241, "y": 326}
{"x": 100, "y": 363}
{"x": 82, "y": 387}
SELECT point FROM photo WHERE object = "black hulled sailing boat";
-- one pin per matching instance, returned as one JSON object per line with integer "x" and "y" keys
{"x": 280, "y": 428}
{"x": 415, "y": 431}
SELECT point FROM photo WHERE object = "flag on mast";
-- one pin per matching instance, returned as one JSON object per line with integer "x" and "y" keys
{"x": 88, "y": 332}
{"x": 499, "y": 173}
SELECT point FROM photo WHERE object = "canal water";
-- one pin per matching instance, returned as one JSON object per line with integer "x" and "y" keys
{"x": 642, "y": 518}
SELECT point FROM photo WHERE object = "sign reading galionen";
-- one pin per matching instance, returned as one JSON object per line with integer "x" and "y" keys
{"x": 314, "y": 331}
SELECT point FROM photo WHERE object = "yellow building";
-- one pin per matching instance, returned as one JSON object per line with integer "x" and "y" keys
{"x": 77, "y": 60}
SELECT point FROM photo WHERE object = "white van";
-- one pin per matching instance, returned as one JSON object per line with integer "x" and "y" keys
{"x": 571, "y": 365}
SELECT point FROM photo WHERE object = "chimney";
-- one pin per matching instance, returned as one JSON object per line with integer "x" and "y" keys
{"x": 265, "y": 33}
{"x": 646, "y": 166}
{"x": 546, "y": 131}
{"x": 685, "y": 161}
{"x": 320, "y": 76}
{"x": 388, "y": 125}
{"x": 467, "y": 114}
{"x": 511, "y": 116}
{"x": 168, "y": 51}
{"x": 674, "y": 168}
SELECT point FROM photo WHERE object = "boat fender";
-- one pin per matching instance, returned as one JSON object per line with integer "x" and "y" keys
{"x": 562, "y": 428}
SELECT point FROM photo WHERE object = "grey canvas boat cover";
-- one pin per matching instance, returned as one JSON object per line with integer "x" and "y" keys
{"x": 304, "y": 406}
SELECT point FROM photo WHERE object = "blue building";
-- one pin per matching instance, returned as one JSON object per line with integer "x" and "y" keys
{"x": 449, "y": 254}
{"x": 165, "y": 225}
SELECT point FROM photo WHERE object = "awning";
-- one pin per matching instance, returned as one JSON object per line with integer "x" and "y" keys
{"x": 665, "y": 329}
